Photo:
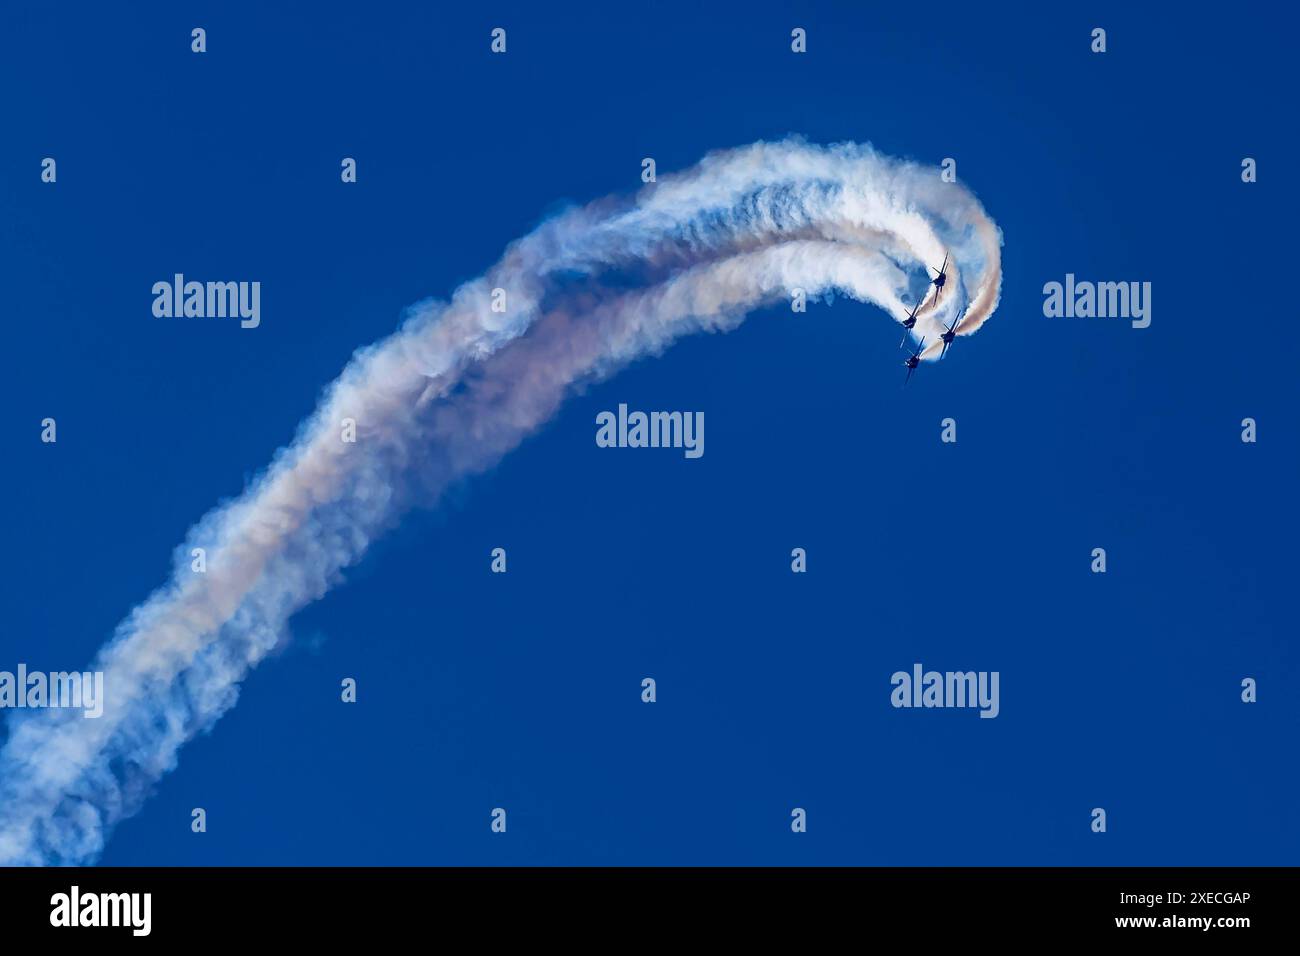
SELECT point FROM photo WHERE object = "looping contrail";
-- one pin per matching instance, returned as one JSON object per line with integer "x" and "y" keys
{"x": 452, "y": 391}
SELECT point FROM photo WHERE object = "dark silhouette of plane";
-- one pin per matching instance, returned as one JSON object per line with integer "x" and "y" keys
{"x": 914, "y": 360}
{"x": 941, "y": 278}
{"x": 950, "y": 334}
{"x": 909, "y": 323}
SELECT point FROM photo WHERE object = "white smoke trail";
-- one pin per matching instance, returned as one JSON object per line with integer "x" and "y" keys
{"x": 457, "y": 387}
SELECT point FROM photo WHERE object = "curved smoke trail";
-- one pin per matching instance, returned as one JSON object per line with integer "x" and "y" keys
{"x": 450, "y": 393}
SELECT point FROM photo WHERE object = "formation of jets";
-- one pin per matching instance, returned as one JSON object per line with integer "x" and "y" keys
{"x": 950, "y": 333}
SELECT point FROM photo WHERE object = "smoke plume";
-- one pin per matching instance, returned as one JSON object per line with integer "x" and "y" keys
{"x": 453, "y": 390}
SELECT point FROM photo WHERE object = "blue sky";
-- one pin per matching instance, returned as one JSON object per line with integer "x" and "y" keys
{"x": 522, "y": 691}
